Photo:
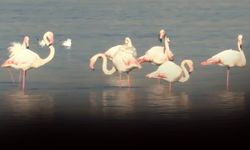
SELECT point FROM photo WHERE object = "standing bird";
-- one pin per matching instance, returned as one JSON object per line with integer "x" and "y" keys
{"x": 229, "y": 58}
{"x": 171, "y": 72}
{"x": 24, "y": 59}
{"x": 67, "y": 44}
{"x": 158, "y": 54}
{"x": 122, "y": 57}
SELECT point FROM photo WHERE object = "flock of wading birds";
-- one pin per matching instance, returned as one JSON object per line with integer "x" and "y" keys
{"x": 124, "y": 59}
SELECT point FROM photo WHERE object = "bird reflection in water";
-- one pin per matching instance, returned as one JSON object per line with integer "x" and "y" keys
{"x": 29, "y": 106}
{"x": 228, "y": 103}
{"x": 152, "y": 102}
{"x": 112, "y": 102}
{"x": 117, "y": 81}
{"x": 170, "y": 105}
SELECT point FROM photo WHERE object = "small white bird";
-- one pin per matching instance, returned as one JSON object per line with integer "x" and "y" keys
{"x": 67, "y": 44}
{"x": 41, "y": 43}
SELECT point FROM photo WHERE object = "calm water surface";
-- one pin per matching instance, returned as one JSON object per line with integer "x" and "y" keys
{"x": 65, "y": 98}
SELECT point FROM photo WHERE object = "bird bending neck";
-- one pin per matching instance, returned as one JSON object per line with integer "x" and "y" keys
{"x": 185, "y": 75}
{"x": 104, "y": 64}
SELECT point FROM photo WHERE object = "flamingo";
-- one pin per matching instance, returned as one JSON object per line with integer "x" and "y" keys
{"x": 24, "y": 59}
{"x": 158, "y": 54}
{"x": 122, "y": 57}
{"x": 171, "y": 72}
{"x": 127, "y": 46}
{"x": 229, "y": 58}
{"x": 67, "y": 43}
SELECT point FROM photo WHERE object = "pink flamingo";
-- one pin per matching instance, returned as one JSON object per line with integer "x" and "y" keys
{"x": 171, "y": 72}
{"x": 158, "y": 54}
{"x": 24, "y": 59}
{"x": 229, "y": 58}
{"x": 122, "y": 57}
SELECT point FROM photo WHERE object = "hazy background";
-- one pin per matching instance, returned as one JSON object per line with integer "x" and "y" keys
{"x": 66, "y": 92}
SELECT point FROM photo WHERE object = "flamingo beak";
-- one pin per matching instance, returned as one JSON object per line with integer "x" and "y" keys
{"x": 91, "y": 66}
{"x": 191, "y": 69}
{"x": 161, "y": 37}
{"x": 160, "y": 40}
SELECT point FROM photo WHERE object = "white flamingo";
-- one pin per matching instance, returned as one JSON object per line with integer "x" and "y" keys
{"x": 24, "y": 59}
{"x": 122, "y": 57}
{"x": 158, "y": 54}
{"x": 171, "y": 72}
{"x": 229, "y": 58}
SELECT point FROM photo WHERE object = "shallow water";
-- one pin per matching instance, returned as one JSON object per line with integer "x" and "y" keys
{"x": 65, "y": 98}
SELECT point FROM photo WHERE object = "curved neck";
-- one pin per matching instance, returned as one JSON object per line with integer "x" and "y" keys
{"x": 242, "y": 55}
{"x": 185, "y": 75}
{"x": 25, "y": 43}
{"x": 166, "y": 44}
{"x": 104, "y": 64}
{"x": 167, "y": 51}
{"x": 243, "y": 58}
{"x": 130, "y": 44}
{"x": 49, "y": 58}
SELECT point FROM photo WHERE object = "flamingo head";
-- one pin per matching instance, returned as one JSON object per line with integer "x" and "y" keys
{"x": 240, "y": 41}
{"x": 48, "y": 38}
{"x": 92, "y": 63}
{"x": 162, "y": 35}
{"x": 128, "y": 41}
{"x": 190, "y": 66}
{"x": 26, "y": 41}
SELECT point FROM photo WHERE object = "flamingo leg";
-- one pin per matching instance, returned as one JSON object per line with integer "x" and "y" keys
{"x": 11, "y": 75}
{"x": 228, "y": 75}
{"x": 170, "y": 87}
{"x": 159, "y": 81}
{"x": 20, "y": 77}
{"x": 23, "y": 79}
{"x": 129, "y": 84}
{"x": 120, "y": 79}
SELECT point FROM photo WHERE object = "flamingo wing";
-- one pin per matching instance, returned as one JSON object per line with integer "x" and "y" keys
{"x": 22, "y": 60}
{"x": 110, "y": 53}
{"x": 154, "y": 55}
{"x": 228, "y": 58}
